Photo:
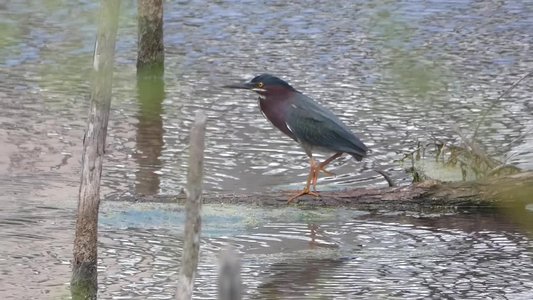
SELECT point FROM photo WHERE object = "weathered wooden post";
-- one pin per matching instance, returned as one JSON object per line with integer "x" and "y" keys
{"x": 193, "y": 222}
{"x": 84, "y": 284}
{"x": 150, "y": 47}
{"x": 229, "y": 276}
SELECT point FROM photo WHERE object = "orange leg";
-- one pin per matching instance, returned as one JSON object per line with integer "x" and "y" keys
{"x": 312, "y": 178}
{"x": 307, "y": 189}
{"x": 321, "y": 167}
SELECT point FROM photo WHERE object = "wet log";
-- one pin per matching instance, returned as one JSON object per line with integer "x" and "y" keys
{"x": 84, "y": 273}
{"x": 193, "y": 205}
{"x": 430, "y": 195}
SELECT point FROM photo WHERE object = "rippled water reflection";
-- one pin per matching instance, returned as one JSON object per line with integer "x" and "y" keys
{"x": 333, "y": 254}
{"x": 396, "y": 72}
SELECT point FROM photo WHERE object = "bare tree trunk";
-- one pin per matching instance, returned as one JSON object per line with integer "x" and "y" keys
{"x": 84, "y": 283}
{"x": 150, "y": 49}
{"x": 229, "y": 276}
{"x": 191, "y": 245}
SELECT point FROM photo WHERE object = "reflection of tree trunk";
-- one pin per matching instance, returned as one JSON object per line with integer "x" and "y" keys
{"x": 151, "y": 92}
{"x": 150, "y": 49}
{"x": 297, "y": 272}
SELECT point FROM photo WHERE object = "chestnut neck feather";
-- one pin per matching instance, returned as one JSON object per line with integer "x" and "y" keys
{"x": 274, "y": 106}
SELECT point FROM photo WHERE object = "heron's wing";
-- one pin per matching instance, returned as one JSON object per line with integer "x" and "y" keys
{"x": 317, "y": 126}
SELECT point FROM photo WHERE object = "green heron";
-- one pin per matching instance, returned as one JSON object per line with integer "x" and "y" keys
{"x": 315, "y": 127}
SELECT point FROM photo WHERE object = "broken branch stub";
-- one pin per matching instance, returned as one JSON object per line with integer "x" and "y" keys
{"x": 193, "y": 223}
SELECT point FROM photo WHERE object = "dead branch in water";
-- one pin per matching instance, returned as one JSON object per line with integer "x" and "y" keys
{"x": 84, "y": 281}
{"x": 193, "y": 206}
{"x": 427, "y": 195}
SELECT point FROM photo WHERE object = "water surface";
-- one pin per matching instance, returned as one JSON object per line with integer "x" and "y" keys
{"x": 397, "y": 73}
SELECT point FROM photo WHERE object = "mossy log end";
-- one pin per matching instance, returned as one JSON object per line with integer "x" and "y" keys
{"x": 508, "y": 190}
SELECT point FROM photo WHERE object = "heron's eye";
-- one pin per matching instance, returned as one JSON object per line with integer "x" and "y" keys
{"x": 260, "y": 85}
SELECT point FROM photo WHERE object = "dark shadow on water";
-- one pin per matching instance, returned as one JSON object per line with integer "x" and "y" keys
{"x": 509, "y": 218}
{"x": 299, "y": 273}
{"x": 151, "y": 93}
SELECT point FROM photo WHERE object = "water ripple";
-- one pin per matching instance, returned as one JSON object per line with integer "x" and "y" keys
{"x": 361, "y": 256}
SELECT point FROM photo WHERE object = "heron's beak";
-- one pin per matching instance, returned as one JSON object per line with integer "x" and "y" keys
{"x": 242, "y": 86}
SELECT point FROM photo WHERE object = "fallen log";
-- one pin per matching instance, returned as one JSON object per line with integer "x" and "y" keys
{"x": 429, "y": 195}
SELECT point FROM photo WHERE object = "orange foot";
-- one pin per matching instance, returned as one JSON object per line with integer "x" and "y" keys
{"x": 305, "y": 191}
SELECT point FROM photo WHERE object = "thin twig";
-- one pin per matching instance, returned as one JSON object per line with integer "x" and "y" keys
{"x": 387, "y": 177}
{"x": 495, "y": 102}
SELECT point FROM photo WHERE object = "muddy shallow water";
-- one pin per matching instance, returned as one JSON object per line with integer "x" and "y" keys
{"x": 398, "y": 73}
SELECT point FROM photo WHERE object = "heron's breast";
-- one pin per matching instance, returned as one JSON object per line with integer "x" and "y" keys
{"x": 275, "y": 112}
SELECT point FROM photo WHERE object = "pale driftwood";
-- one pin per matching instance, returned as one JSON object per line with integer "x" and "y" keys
{"x": 84, "y": 284}
{"x": 150, "y": 47}
{"x": 428, "y": 195}
{"x": 229, "y": 276}
{"x": 193, "y": 222}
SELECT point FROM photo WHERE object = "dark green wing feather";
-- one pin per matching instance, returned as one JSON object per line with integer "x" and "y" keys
{"x": 317, "y": 126}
